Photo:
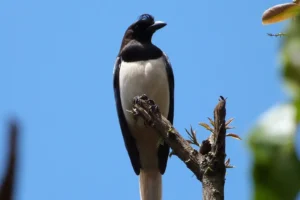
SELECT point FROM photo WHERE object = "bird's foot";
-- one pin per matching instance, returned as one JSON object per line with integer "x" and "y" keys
{"x": 144, "y": 97}
{"x": 137, "y": 99}
{"x": 153, "y": 107}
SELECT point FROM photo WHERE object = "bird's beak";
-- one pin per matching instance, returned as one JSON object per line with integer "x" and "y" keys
{"x": 157, "y": 25}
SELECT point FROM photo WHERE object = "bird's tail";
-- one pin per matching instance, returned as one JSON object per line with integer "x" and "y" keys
{"x": 150, "y": 185}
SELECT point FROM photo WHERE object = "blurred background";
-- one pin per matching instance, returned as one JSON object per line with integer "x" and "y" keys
{"x": 56, "y": 69}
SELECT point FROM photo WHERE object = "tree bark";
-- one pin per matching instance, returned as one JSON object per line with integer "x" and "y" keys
{"x": 207, "y": 164}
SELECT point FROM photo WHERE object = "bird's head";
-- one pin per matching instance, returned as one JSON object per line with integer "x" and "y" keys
{"x": 143, "y": 29}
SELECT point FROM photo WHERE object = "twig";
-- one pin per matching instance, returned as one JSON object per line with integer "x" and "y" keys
{"x": 276, "y": 34}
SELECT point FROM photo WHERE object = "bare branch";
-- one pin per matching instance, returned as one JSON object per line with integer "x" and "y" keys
{"x": 276, "y": 34}
{"x": 181, "y": 148}
{"x": 214, "y": 180}
{"x": 208, "y": 164}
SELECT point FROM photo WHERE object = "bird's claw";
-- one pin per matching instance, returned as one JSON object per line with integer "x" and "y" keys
{"x": 144, "y": 97}
{"x": 154, "y": 108}
{"x": 151, "y": 102}
{"x": 137, "y": 99}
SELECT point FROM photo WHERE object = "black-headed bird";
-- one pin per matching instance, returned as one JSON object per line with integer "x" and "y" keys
{"x": 142, "y": 68}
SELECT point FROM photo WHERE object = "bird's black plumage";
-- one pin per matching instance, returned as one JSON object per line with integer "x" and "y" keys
{"x": 137, "y": 46}
{"x": 128, "y": 139}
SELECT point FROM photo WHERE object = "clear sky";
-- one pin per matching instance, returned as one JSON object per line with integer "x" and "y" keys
{"x": 56, "y": 64}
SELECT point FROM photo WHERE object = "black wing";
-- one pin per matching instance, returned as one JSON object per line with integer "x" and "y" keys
{"x": 163, "y": 150}
{"x": 128, "y": 139}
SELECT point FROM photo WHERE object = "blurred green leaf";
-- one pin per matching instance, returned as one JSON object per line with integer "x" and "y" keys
{"x": 297, "y": 106}
{"x": 276, "y": 168}
{"x": 291, "y": 62}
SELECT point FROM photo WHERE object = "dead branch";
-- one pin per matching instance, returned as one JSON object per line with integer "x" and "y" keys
{"x": 207, "y": 164}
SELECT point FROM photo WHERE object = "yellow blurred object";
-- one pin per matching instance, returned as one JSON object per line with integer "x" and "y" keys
{"x": 280, "y": 13}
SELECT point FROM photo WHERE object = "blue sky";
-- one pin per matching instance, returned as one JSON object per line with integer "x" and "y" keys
{"x": 56, "y": 64}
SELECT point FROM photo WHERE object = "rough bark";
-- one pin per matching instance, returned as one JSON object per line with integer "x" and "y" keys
{"x": 208, "y": 164}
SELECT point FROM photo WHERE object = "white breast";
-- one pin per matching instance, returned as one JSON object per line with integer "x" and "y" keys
{"x": 150, "y": 78}
{"x": 144, "y": 77}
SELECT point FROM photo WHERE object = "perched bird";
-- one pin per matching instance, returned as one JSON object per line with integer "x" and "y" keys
{"x": 142, "y": 68}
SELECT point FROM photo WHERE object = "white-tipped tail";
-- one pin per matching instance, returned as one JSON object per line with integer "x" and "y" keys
{"x": 150, "y": 185}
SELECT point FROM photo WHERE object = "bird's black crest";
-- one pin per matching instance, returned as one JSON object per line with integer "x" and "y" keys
{"x": 146, "y": 17}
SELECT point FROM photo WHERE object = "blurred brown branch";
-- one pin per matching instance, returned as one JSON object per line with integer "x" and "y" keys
{"x": 8, "y": 184}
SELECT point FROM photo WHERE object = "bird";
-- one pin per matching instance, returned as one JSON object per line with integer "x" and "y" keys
{"x": 143, "y": 68}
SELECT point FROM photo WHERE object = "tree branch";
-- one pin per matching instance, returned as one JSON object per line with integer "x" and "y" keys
{"x": 207, "y": 164}
{"x": 214, "y": 180}
{"x": 7, "y": 185}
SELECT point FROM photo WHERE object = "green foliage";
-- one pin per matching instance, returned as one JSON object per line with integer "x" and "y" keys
{"x": 291, "y": 59}
{"x": 276, "y": 168}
